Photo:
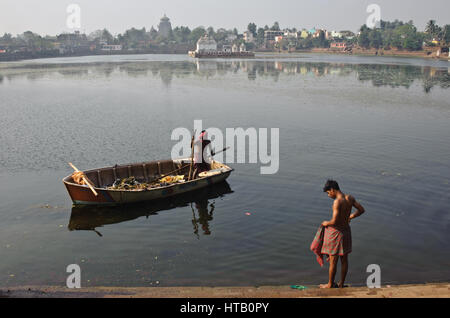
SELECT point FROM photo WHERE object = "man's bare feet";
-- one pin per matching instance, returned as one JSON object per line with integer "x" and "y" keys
{"x": 341, "y": 285}
{"x": 324, "y": 286}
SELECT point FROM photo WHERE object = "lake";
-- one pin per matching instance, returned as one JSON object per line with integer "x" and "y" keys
{"x": 378, "y": 125}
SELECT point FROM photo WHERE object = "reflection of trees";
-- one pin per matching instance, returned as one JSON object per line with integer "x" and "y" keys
{"x": 377, "y": 74}
{"x": 403, "y": 75}
{"x": 432, "y": 76}
{"x": 388, "y": 75}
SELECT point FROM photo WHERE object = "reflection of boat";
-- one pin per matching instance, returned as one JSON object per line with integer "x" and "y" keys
{"x": 143, "y": 172}
{"x": 91, "y": 217}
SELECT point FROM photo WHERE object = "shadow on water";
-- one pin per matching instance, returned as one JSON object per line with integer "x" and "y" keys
{"x": 89, "y": 218}
{"x": 390, "y": 75}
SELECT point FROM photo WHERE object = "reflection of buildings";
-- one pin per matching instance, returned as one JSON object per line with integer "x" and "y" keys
{"x": 377, "y": 74}
{"x": 206, "y": 67}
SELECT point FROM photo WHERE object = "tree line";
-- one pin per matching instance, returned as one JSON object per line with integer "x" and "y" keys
{"x": 402, "y": 35}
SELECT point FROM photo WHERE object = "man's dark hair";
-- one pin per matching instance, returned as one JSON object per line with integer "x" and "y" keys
{"x": 331, "y": 184}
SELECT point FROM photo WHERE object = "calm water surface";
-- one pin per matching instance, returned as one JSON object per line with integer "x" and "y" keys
{"x": 379, "y": 125}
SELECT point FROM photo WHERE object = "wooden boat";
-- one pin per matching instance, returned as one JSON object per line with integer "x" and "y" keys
{"x": 143, "y": 172}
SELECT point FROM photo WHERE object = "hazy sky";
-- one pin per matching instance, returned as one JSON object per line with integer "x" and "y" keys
{"x": 50, "y": 16}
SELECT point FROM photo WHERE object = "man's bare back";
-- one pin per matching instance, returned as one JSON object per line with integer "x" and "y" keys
{"x": 342, "y": 208}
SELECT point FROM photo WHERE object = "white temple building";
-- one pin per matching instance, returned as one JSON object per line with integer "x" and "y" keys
{"x": 206, "y": 44}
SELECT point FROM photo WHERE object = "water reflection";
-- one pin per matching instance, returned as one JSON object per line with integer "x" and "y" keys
{"x": 91, "y": 218}
{"x": 390, "y": 75}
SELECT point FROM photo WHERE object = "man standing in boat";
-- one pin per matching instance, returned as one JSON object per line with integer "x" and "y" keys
{"x": 202, "y": 161}
{"x": 337, "y": 237}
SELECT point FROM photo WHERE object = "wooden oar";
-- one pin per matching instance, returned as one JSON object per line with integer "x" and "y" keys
{"x": 223, "y": 150}
{"x": 88, "y": 182}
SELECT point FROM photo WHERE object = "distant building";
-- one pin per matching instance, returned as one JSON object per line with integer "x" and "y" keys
{"x": 338, "y": 45}
{"x": 206, "y": 44}
{"x": 227, "y": 48}
{"x": 164, "y": 27}
{"x": 347, "y": 34}
{"x": 304, "y": 34}
{"x": 312, "y": 31}
{"x": 279, "y": 38}
{"x": 231, "y": 37}
{"x": 335, "y": 34}
{"x": 269, "y": 35}
{"x": 290, "y": 35}
{"x": 112, "y": 48}
{"x": 248, "y": 37}
{"x": 317, "y": 33}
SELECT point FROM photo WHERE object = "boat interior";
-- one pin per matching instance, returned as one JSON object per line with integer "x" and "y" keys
{"x": 143, "y": 172}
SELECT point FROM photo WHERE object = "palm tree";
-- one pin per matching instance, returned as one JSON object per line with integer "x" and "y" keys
{"x": 431, "y": 27}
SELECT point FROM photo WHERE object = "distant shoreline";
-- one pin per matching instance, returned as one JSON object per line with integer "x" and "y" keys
{"x": 425, "y": 54}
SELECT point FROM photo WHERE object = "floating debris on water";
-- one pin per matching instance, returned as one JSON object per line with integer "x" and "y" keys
{"x": 50, "y": 207}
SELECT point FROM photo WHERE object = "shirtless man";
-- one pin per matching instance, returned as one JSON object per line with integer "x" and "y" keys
{"x": 337, "y": 240}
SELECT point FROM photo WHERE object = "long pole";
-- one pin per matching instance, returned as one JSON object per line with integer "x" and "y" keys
{"x": 88, "y": 182}
{"x": 192, "y": 155}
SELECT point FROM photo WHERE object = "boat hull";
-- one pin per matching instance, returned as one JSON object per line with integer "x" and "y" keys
{"x": 82, "y": 195}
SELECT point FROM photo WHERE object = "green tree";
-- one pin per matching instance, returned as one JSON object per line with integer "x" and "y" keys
{"x": 260, "y": 36}
{"x": 275, "y": 26}
{"x": 375, "y": 39}
{"x": 446, "y": 33}
{"x": 363, "y": 39}
{"x": 431, "y": 28}
{"x": 181, "y": 34}
{"x": 252, "y": 29}
{"x": 196, "y": 34}
{"x": 406, "y": 37}
{"x": 210, "y": 32}
{"x": 106, "y": 35}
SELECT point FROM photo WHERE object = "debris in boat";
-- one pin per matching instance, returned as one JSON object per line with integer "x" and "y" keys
{"x": 132, "y": 184}
{"x": 172, "y": 179}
